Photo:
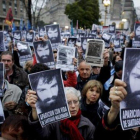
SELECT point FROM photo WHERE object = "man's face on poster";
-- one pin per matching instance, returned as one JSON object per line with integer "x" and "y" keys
{"x": 106, "y": 37}
{"x": 17, "y": 36}
{"x": 22, "y": 47}
{"x": 84, "y": 44}
{"x": 138, "y": 31}
{"x": 42, "y": 32}
{"x": 43, "y": 53}
{"x": 47, "y": 90}
{"x": 53, "y": 34}
{"x": 134, "y": 80}
{"x": 71, "y": 43}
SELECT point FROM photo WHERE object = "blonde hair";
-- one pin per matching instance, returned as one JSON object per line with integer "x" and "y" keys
{"x": 28, "y": 64}
{"x": 91, "y": 84}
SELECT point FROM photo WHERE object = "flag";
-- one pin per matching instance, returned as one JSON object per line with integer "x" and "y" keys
{"x": 13, "y": 27}
{"x": 9, "y": 18}
{"x": 77, "y": 25}
{"x": 21, "y": 24}
{"x": 72, "y": 28}
{"x": 29, "y": 27}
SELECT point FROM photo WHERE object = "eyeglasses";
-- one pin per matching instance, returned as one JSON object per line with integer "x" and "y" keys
{"x": 75, "y": 102}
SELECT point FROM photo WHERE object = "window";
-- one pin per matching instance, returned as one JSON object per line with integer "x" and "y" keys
{"x": 10, "y": 3}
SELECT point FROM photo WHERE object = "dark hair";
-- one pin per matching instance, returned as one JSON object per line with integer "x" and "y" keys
{"x": 14, "y": 123}
{"x": 132, "y": 58}
{"x": 114, "y": 59}
{"x": 39, "y": 67}
{"x": 7, "y": 53}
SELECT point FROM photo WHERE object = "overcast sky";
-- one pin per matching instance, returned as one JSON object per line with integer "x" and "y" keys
{"x": 136, "y": 3}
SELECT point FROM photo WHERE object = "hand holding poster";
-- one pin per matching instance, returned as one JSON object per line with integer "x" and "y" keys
{"x": 130, "y": 106}
{"x": 94, "y": 52}
{"x": 51, "y": 105}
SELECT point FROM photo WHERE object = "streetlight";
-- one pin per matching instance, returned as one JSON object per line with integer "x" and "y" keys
{"x": 106, "y": 4}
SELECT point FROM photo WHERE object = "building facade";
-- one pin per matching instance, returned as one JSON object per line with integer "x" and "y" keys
{"x": 119, "y": 12}
{"x": 54, "y": 12}
{"x": 18, "y": 12}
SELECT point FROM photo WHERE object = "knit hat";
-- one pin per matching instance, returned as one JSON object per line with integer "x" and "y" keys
{"x": 118, "y": 65}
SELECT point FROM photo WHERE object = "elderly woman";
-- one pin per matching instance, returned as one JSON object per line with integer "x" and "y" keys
{"x": 77, "y": 127}
{"x": 89, "y": 104}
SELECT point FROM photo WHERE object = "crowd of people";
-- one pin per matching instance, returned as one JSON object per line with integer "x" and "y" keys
{"x": 93, "y": 96}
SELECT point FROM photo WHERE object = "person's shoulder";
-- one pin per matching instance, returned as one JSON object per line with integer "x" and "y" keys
{"x": 85, "y": 122}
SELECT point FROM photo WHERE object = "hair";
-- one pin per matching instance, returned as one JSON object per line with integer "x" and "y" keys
{"x": 28, "y": 64}
{"x": 39, "y": 67}
{"x": 14, "y": 123}
{"x": 51, "y": 28}
{"x": 91, "y": 84}
{"x": 7, "y": 53}
{"x": 83, "y": 61}
{"x": 114, "y": 59}
{"x": 42, "y": 45}
{"x": 72, "y": 90}
{"x": 132, "y": 58}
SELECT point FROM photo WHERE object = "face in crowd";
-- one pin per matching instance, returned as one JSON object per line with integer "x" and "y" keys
{"x": 53, "y": 34}
{"x": 47, "y": 90}
{"x": 73, "y": 103}
{"x": 8, "y": 62}
{"x": 43, "y": 53}
{"x": 84, "y": 70}
{"x": 96, "y": 70}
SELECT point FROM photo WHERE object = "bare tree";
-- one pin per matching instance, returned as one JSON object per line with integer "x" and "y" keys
{"x": 33, "y": 9}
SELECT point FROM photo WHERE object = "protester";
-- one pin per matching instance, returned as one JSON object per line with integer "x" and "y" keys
{"x": 84, "y": 75}
{"x": 14, "y": 74}
{"x": 110, "y": 127}
{"x": 16, "y": 127}
{"x": 115, "y": 59}
{"x": 91, "y": 94}
{"x": 77, "y": 127}
{"x": 28, "y": 66}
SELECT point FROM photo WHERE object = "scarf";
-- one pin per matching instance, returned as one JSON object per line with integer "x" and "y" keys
{"x": 69, "y": 127}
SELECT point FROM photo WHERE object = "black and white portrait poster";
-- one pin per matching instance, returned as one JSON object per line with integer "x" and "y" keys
{"x": 71, "y": 41}
{"x": 94, "y": 32}
{"x": 112, "y": 29}
{"x": 24, "y": 51}
{"x": 30, "y": 38}
{"x": 2, "y": 117}
{"x": 53, "y": 33}
{"x": 2, "y": 47}
{"x": 122, "y": 36}
{"x": 130, "y": 106}
{"x": 94, "y": 52}
{"x": 92, "y": 35}
{"x": 117, "y": 45}
{"x": 36, "y": 36}
{"x": 136, "y": 41}
{"x": 65, "y": 57}
{"x": 1, "y": 78}
{"x": 17, "y": 35}
{"x": 106, "y": 37}
{"x": 42, "y": 31}
{"x": 43, "y": 52}
{"x": 51, "y": 105}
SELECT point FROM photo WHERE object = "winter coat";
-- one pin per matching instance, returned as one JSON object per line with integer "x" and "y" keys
{"x": 53, "y": 132}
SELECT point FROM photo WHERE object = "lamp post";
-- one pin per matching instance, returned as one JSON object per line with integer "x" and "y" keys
{"x": 106, "y": 4}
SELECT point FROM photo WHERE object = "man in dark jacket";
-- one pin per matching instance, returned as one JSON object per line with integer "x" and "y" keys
{"x": 14, "y": 74}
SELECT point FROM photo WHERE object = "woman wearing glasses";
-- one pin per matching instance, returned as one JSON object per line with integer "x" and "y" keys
{"x": 75, "y": 128}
